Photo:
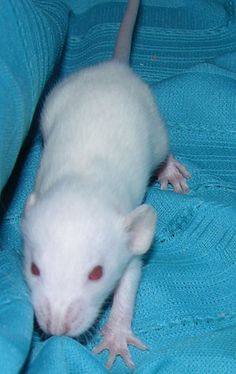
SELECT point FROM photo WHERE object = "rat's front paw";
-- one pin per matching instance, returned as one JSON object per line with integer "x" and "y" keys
{"x": 175, "y": 173}
{"x": 116, "y": 340}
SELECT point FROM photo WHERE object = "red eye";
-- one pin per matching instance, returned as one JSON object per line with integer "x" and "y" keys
{"x": 34, "y": 269}
{"x": 96, "y": 273}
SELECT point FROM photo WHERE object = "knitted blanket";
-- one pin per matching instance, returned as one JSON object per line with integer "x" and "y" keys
{"x": 186, "y": 304}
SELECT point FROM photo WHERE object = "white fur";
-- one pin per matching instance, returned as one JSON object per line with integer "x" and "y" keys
{"x": 103, "y": 137}
{"x": 103, "y": 125}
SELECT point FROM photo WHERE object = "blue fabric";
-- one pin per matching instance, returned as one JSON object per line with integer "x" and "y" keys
{"x": 32, "y": 38}
{"x": 186, "y": 304}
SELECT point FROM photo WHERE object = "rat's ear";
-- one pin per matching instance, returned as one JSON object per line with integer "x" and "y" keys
{"x": 140, "y": 227}
{"x": 30, "y": 201}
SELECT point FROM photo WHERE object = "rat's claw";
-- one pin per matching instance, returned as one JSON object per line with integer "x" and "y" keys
{"x": 182, "y": 169}
{"x": 111, "y": 360}
{"x": 175, "y": 173}
{"x": 137, "y": 342}
{"x": 116, "y": 341}
{"x": 127, "y": 359}
{"x": 184, "y": 186}
{"x": 100, "y": 347}
{"x": 163, "y": 183}
{"x": 124, "y": 354}
{"x": 179, "y": 185}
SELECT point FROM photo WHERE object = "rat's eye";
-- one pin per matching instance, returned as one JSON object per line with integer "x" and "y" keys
{"x": 96, "y": 273}
{"x": 34, "y": 269}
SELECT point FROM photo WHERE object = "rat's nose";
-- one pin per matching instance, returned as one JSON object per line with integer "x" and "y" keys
{"x": 54, "y": 319}
{"x": 56, "y": 325}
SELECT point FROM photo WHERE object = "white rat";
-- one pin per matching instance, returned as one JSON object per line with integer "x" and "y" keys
{"x": 84, "y": 228}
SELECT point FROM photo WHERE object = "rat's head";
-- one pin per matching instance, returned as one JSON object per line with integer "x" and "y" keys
{"x": 75, "y": 251}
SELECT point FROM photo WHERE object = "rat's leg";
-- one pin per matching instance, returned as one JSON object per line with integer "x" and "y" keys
{"x": 117, "y": 333}
{"x": 175, "y": 173}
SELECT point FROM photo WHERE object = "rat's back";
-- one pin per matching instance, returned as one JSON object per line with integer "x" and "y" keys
{"x": 102, "y": 121}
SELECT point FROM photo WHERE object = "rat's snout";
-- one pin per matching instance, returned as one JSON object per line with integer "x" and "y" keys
{"x": 58, "y": 320}
{"x": 58, "y": 327}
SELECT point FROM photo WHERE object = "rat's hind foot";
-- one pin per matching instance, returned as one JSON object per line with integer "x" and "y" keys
{"x": 116, "y": 340}
{"x": 175, "y": 173}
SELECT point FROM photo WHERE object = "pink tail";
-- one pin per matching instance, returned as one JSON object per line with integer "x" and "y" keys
{"x": 124, "y": 39}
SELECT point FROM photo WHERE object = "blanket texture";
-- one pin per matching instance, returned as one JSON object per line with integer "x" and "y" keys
{"x": 186, "y": 304}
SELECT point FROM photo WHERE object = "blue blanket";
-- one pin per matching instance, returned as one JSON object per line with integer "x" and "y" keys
{"x": 186, "y": 304}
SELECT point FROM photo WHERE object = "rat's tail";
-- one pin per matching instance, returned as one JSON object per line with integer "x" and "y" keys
{"x": 124, "y": 39}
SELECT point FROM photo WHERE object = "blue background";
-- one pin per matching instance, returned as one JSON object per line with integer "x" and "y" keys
{"x": 186, "y": 304}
